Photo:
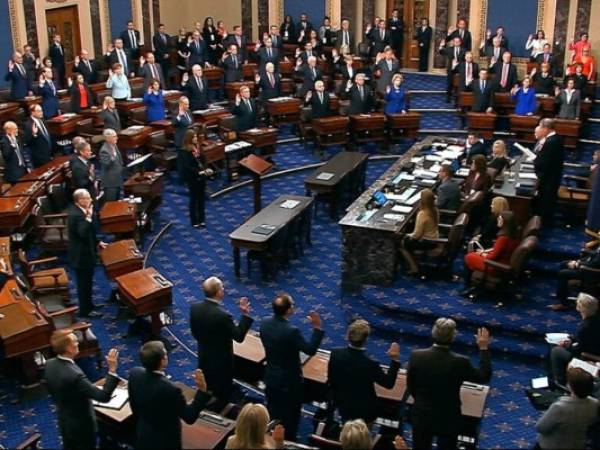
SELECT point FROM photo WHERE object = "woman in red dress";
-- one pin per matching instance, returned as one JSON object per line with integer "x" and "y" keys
{"x": 504, "y": 246}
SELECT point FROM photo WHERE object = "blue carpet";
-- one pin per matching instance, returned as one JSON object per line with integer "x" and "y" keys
{"x": 403, "y": 312}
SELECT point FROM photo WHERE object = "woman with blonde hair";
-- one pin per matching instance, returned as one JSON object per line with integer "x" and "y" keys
{"x": 426, "y": 227}
{"x": 251, "y": 430}
{"x": 489, "y": 230}
{"x": 499, "y": 159}
{"x": 355, "y": 435}
{"x": 395, "y": 96}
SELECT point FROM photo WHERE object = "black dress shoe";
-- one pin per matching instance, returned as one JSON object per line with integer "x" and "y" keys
{"x": 196, "y": 225}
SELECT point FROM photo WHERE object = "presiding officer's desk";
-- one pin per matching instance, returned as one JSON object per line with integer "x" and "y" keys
{"x": 370, "y": 236}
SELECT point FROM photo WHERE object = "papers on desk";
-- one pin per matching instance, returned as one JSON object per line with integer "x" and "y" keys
{"x": 364, "y": 217}
{"x": 136, "y": 127}
{"x": 394, "y": 217}
{"x": 462, "y": 172}
{"x": 435, "y": 168}
{"x": 556, "y": 338}
{"x": 253, "y": 130}
{"x": 527, "y": 176}
{"x": 427, "y": 182}
{"x": 417, "y": 159}
{"x": 529, "y": 155}
{"x": 456, "y": 148}
{"x": 435, "y": 158}
{"x": 414, "y": 199}
{"x": 136, "y": 99}
{"x": 237, "y": 146}
{"x": 68, "y": 115}
{"x": 403, "y": 176}
{"x": 401, "y": 209}
{"x": 264, "y": 229}
{"x": 450, "y": 154}
{"x": 280, "y": 99}
{"x": 590, "y": 368}
{"x": 439, "y": 145}
{"x": 120, "y": 396}
{"x": 325, "y": 176}
{"x": 289, "y": 204}
{"x": 401, "y": 197}
{"x": 211, "y": 109}
{"x": 422, "y": 173}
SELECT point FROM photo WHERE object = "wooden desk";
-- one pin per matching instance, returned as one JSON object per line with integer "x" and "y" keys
{"x": 11, "y": 293}
{"x": 23, "y": 330}
{"x": 403, "y": 125}
{"x": 503, "y": 103}
{"x": 26, "y": 102}
{"x": 117, "y": 217}
{"x": 233, "y": 88}
{"x": 284, "y": 110}
{"x": 348, "y": 170}
{"x": 134, "y": 138}
{"x": 120, "y": 258}
{"x": 92, "y": 113}
{"x": 63, "y": 125}
{"x": 146, "y": 292}
{"x": 569, "y": 130}
{"x": 263, "y": 139}
{"x": 274, "y": 215}
{"x": 214, "y": 151}
{"x": 210, "y": 117}
{"x": 214, "y": 76}
{"x": 547, "y": 105}
{"x": 483, "y": 123}
{"x": 465, "y": 100}
{"x": 288, "y": 87}
{"x": 8, "y": 111}
{"x": 32, "y": 189}
{"x": 523, "y": 127}
{"x": 5, "y": 251}
{"x": 148, "y": 185}
{"x": 330, "y": 131}
{"x": 52, "y": 172}
{"x": 249, "y": 70}
{"x": 368, "y": 127}
{"x": 14, "y": 212}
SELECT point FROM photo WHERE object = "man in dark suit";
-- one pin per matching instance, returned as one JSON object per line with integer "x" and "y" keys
{"x": 474, "y": 146}
{"x": 232, "y": 64}
{"x": 304, "y": 25}
{"x": 30, "y": 63}
{"x": 275, "y": 37}
{"x": 131, "y": 40}
{"x": 387, "y": 65}
{"x": 268, "y": 54}
{"x": 319, "y": 101}
{"x": 360, "y": 95}
{"x": 73, "y": 393}
{"x": 82, "y": 170}
{"x": 158, "y": 416}
{"x": 468, "y": 72}
{"x": 493, "y": 52}
{"x": 352, "y": 375}
{"x": 151, "y": 71}
{"x": 196, "y": 88}
{"x": 305, "y": 54}
{"x": 245, "y": 109}
{"x": 548, "y": 168}
{"x": 214, "y": 330}
{"x": 434, "y": 379}
{"x": 110, "y": 115}
{"x": 20, "y": 85}
{"x": 448, "y": 192}
{"x": 37, "y": 138}
{"x": 14, "y": 163}
{"x": 396, "y": 26}
{"x": 117, "y": 54}
{"x": 345, "y": 36}
{"x": 573, "y": 270}
{"x": 239, "y": 40}
{"x": 310, "y": 73}
{"x": 269, "y": 83}
{"x": 454, "y": 56}
{"x": 56, "y": 53}
{"x": 88, "y": 68}
{"x": 461, "y": 31}
{"x": 505, "y": 73}
{"x": 161, "y": 42}
{"x": 423, "y": 36}
{"x": 380, "y": 37}
{"x": 548, "y": 58}
{"x": 500, "y": 36}
{"x": 483, "y": 93}
{"x": 283, "y": 343}
{"x": 82, "y": 249}
{"x": 197, "y": 49}
{"x": 181, "y": 121}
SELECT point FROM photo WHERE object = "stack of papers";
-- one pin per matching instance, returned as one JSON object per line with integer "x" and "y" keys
{"x": 119, "y": 397}
{"x": 367, "y": 215}
{"x": 556, "y": 338}
{"x": 422, "y": 173}
{"x": 402, "y": 209}
{"x": 435, "y": 158}
{"x": 587, "y": 366}
{"x": 528, "y": 176}
{"x": 414, "y": 199}
{"x": 403, "y": 176}
{"x": 394, "y": 217}
{"x": 325, "y": 176}
{"x": 462, "y": 172}
{"x": 290, "y": 204}
{"x": 236, "y": 146}
{"x": 417, "y": 159}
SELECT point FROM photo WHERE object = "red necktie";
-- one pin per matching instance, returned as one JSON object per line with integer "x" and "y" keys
{"x": 271, "y": 79}
{"x": 469, "y": 75}
{"x": 504, "y": 75}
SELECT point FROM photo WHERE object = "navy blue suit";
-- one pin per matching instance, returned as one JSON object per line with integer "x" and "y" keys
{"x": 198, "y": 97}
{"x": 49, "y": 100}
{"x": 197, "y": 53}
{"x": 14, "y": 167}
{"x": 20, "y": 84}
{"x": 40, "y": 145}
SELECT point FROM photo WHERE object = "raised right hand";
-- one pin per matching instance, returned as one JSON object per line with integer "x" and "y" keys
{"x": 388, "y": 89}
{"x": 76, "y": 61}
{"x": 34, "y": 131}
{"x": 245, "y": 305}
{"x": 70, "y": 81}
{"x": 394, "y": 351}
{"x": 315, "y": 319}
{"x": 483, "y": 338}
{"x": 110, "y": 73}
{"x": 11, "y": 65}
{"x": 185, "y": 77}
{"x": 142, "y": 60}
{"x": 308, "y": 95}
{"x": 110, "y": 48}
{"x": 200, "y": 380}
{"x": 112, "y": 360}
{"x": 238, "y": 99}
{"x": 257, "y": 78}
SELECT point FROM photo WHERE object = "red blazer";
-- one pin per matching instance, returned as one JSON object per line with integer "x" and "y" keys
{"x": 501, "y": 252}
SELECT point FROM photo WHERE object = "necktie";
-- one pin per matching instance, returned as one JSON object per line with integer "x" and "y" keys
{"x": 346, "y": 40}
{"x": 314, "y": 73}
{"x": 546, "y": 57}
{"x": 538, "y": 146}
{"x": 321, "y": 97}
{"x": 163, "y": 37}
{"x": 89, "y": 66}
{"x": 482, "y": 86}
{"x": 271, "y": 79}
{"x": 21, "y": 69}
{"x": 249, "y": 105}
{"x": 153, "y": 71}
{"x": 461, "y": 34}
{"x": 389, "y": 64}
{"x": 59, "y": 48}
{"x": 199, "y": 81}
{"x": 504, "y": 75}
{"x": 362, "y": 94}
{"x": 198, "y": 46}
{"x": 235, "y": 63}
{"x": 456, "y": 53}
{"x": 123, "y": 61}
{"x": 239, "y": 41}
{"x": 381, "y": 33}
{"x": 52, "y": 86}
{"x": 132, "y": 38}
{"x": 43, "y": 129}
{"x": 17, "y": 151}
{"x": 496, "y": 52}
{"x": 269, "y": 52}
{"x": 469, "y": 75}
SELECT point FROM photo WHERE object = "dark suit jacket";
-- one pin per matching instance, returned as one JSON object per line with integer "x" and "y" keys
{"x": 462, "y": 75}
{"x": 246, "y": 119}
{"x": 263, "y": 58}
{"x": 267, "y": 90}
{"x": 378, "y": 43}
{"x": 503, "y": 42}
{"x": 127, "y": 41}
{"x": 82, "y": 240}
{"x": 232, "y": 39}
{"x": 40, "y": 146}
{"x": 482, "y": 100}
{"x": 113, "y": 58}
{"x": 19, "y": 83}
{"x": 320, "y": 109}
{"x": 88, "y": 76}
{"x": 231, "y": 72}
{"x": 434, "y": 378}
{"x": 448, "y": 195}
{"x": 158, "y": 406}
{"x": 277, "y": 41}
{"x": 283, "y": 343}
{"x": 214, "y": 330}
{"x": 308, "y": 78}
{"x": 549, "y": 164}
{"x": 76, "y": 97}
{"x": 424, "y": 37}
{"x": 385, "y": 78}
{"x": 146, "y": 72}
{"x": 466, "y": 41}
{"x": 478, "y": 148}
{"x": 161, "y": 48}
{"x": 340, "y": 39}
{"x": 180, "y": 125}
{"x": 448, "y": 52}
{"x": 198, "y": 98}
{"x": 80, "y": 173}
{"x": 396, "y": 29}
{"x": 111, "y": 119}
{"x": 73, "y": 394}
{"x": 539, "y": 59}
{"x": 488, "y": 52}
{"x": 587, "y": 336}
{"x": 57, "y": 57}
{"x": 358, "y": 106}
{"x": 351, "y": 375}
{"x": 512, "y": 78}
{"x": 12, "y": 169}
{"x": 543, "y": 85}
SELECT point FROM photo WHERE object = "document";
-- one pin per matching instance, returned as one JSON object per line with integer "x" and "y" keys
{"x": 556, "y": 338}
{"x": 528, "y": 176}
{"x": 394, "y": 217}
{"x": 402, "y": 209}
{"x": 462, "y": 172}
{"x": 407, "y": 194}
{"x": 290, "y": 204}
{"x": 120, "y": 396}
{"x": 414, "y": 199}
{"x": 403, "y": 176}
{"x": 529, "y": 155}
{"x": 264, "y": 229}
{"x": 592, "y": 369}
{"x": 325, "y": 176}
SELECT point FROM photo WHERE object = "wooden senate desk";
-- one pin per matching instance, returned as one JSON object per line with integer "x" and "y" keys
{"x": 133, "y": 138}
{"x": 211, "y": 116}
{"x": 118, "y": 217}
{"x": 517, "y": 184}
{"x": 569, "y": 130}
{"x": 249, "y": 358}
{"x": 30, "y": 100}
{"x": 368, "y": 127}
{"x": 32, "y": 189}
{"x": 503, "y": 103}
{"x": 127, "y": 107}
{"x": 403, "y": 125}
{"x": 370, "y": 233}
{"x": 274, "y": 217}
{"x": 284, "y": 110}
{"x": 148, "y": 185}
{"x": 146, "y": 292}
{"x": 52, "y": 172}
{"x": 249, "y": 70}
{"x": 210, "y": 431}
{"x": 330, "y": 131}
{"x": 8, "y": 111}
{"x": 263, "y": 139}
{"x": 523, "y": 127}
{"x": 120, "y": 258}
{"x": 214, "y": 76}
{"x": 92, "y": 113}
{"x": 14, "y": 212}
{"x": 233, "y": 88}
{"x": 342, "y": 174}
{"x": 63, "y": 125}
{"x": 482, "y": 123}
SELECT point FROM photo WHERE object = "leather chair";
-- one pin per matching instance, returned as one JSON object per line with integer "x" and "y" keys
{"x": 50, "y": 226}
{"x": 574, "y": 196}
{"x": 88, "y": 130}
{"x": 226, "y": 129}
{"x": 138, "y": 116}
{"x": 305, "y": 126}
{"x": 45, "y": 281}
{"x": 532, "y": 227}
{"x": 52, "y": 302}
{"x": 473, "y": 200}
{"x": 163, "y": 153}
{"x": 443, "y": 255}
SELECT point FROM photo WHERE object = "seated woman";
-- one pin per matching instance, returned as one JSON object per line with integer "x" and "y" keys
{"x": 155, "y": 103}
{"x": 426, "y": 226}
{"x": 588, "y": 64}
{"x": 566, "y": 423}
{"x": 499, "y": 160}
{"x": 478, "y": 179}
{"x": 524, "y": 98}
{"x": 504, "y": 246}
{"x": 543, "y": 81}
{"x": 81, "y": 95}
{"x": 395, "y": 96}
{"x": 251, "y": 430}
{"x": 579, "y": 79}
{"x": 489, "y": 229}
{"x": 118, "y": 82}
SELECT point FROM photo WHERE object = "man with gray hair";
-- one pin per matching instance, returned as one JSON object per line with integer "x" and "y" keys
{"x": 111, "y": 164}
{"x": 434, "y": 378}
{"x": 352, "y": 375}
{"x": 83, "y": 174}
{"x": 214, "y": 329}
{"x": 585, "y": 340}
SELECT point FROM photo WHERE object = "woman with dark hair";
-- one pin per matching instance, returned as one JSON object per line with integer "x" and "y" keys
{"x": 183, "y": 51}
{"x": 212, "y": 39}
{"x": 536, "y": 44}
{"x": 194, "y": 175}
{"x": 317, "y": 45}
{"x": 81, "y": 95}
{"x": 504, "y": 246}
{"x": 155, "y": 102}
{"x": 478, "y": 179}
{"x": 288, "y": 30}
{"x": 426, "y": 227}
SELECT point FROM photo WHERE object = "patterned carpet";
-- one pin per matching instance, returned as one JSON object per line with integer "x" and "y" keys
{"x": 403, "y": 312}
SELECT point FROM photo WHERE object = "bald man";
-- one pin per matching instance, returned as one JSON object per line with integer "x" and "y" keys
{"x": 14, "y": 162}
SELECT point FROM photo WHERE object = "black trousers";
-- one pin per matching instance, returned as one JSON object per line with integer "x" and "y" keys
{"x": 196, "y": 190}
{"x": 85, "y": 282}
{"x": 83, "y": 441}
{"x": 449, "y": 83}
{"x": 285, "y": 405}
{"x": 545, "y": 204}
{"x": 560, "y": 358}
{"x": 423, "y": 439}
{"x": 564, "y": 276}
{"x": 424, "y": 58}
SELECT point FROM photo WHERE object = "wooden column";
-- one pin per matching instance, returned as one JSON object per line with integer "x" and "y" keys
{"x": 31, "y": 26}
{"x": 368, "y": 12}
{"x": 561, "y": 23}
{"x": 247, "y": 18}
{"x": 441, "y": 27}
{"x": 584, "y": 10}
{"x": 463, "y": 9}
{"x": 96, "y": 27}
{"x": 263, "y": 17}
{"x": 146, "y": 24}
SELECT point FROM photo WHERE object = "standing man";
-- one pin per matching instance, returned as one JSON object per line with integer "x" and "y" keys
{"x": 37, "y": 138}
{"x": 239, "y": 40}
{"x": 423, "y": 37}
{"x": 14, "y": 163}
{"x": 548, "y": 168}
{"x": 83, "y": 174}
{"x": 151, "y": 71}
{"x": 381, "y": 37}
{"x": 197, "y": 49}
{"x": 434, "y": 378}
{"x": 73, "y": 393}
{"x": 20, "y": 85}
{"x": 388, "y": 66}
{"x": 162, "y": 49}
{"x": 196, "y": 88}
{"x": 319, "y": 101}
{"x": 483, "y": 93}
{"x": 245, "y": 109}
{"x": 360, "y": 95}
{"x": 269, "y": 83}
{"x": 396, "y": 26}
{"x": 214, "y": 330}
{"x": 181, "y": 122}
{"x": 310, "y": 73}
{"x": 85, "y": 66}
{"x": 461, "y": 32}
{"x": 131, "y": 40}
{"x": 454, "y": 56}
{"x": 56, "y": 53}
{"x": 352, "y": 375}
{"x": 468, "y": 71}
{"x": 505, "y": 73}
{"x": 283, "y": 343}
{"x": 82, "y": 249}
{"x": 158, "y": 416}
{"x": 345, "y": 37}
{"x": 118, "y": 54}
{"x": 111, "y": 164}
{"x": 232, "y": 63}
{"x": 268, "y": 54}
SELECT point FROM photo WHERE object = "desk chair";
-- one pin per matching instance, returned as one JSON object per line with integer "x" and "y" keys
{"x": 50, "y": 226}
{"x": 30, "y": 443}
{"x": 46, "y": 281}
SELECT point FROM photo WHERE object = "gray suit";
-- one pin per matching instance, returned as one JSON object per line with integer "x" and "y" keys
{"x": 569, "y": 110}
{"x": 386, "y": 74}
{"x": 146, "y": 72}
{"x": 448, "y": 195}
{"x": 112, "y": 171}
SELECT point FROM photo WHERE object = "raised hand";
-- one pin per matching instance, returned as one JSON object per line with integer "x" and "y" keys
{"x": 142, "y": 60}
{"x": 257, "y": 46}
{"x": 70, "y": 81}
{"x": 388, "y": 89}
{"x": 556, "y": 91}
{"x": 200, "y": 380}
{"x": 483, "y": 338}
{"x": 41, "y": 79}
{"x": 314, "y": 319}
{"x": 185, "y": 78}
{"x": 257, "y": 78}
{"x": 76, "y": 61}
{"x": 225, "y": 55}
{"x": 150, "y": 89}
{"x": 308, "y": 95}
{"x": 278, "y": 435}
{"x": 238, "y": 99}
{"x": 244, "y": 305}
{"x": 112, "y": 360}
{"x": 394, "y": 351}
{"x": 530, "y": 37}
{"x": 400, "y": 443}
{"x": 297, "y": 52}
{"x": 110, "y": 73}
{"x": 369, "y": 28}
{"x": 34, "y": 129}
{"x": 298, "y": 62}
{"x": 11, "y": 65}
{"x": 110, "y": 48}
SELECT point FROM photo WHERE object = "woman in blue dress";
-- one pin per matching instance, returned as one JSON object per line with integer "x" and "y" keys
{"x": 524, "y": 97}
{"x": 395, "y": 97}
{"x": 47, "y": 89}
{"x": 155, "y": 103}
